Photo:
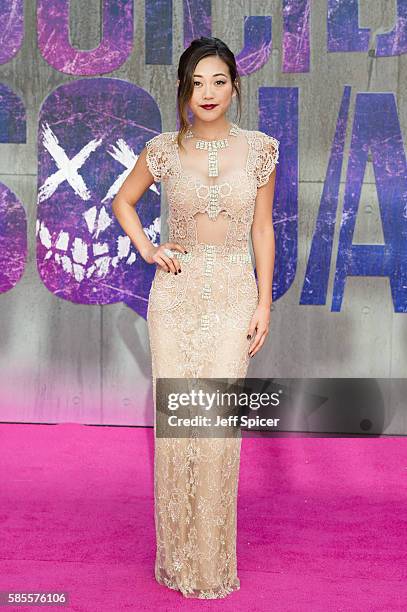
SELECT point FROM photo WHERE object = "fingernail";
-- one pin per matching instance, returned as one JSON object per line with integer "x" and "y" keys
{"x": 248, "y": 337}
{"x": 185, "y": 251}
{"x": 179, "y": 270}
{"x": 175, "y": 272}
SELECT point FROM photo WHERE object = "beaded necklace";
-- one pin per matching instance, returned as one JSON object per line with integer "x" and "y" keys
{"x": 212, "y": 147}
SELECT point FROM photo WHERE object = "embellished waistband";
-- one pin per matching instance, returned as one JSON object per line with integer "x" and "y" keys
{"x": 211, "y": 250}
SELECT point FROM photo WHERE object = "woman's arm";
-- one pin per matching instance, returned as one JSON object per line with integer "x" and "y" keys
{"x": 124, "y": 203}
{"x": 263, "y": 241}
{"x": 123, "y": 206}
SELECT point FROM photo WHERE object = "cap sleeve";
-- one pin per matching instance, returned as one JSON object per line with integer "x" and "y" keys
{"x": 267, "y": 158}
{"x": 157, "y": 157}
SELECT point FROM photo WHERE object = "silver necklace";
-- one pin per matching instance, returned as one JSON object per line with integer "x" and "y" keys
{"x": 212, "y": 147}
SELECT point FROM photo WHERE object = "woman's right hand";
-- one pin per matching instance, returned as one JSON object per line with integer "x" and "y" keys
{"x": 158, "y": 256}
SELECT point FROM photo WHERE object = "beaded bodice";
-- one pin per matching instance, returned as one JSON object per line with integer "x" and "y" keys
{"x": 217, "y": 209}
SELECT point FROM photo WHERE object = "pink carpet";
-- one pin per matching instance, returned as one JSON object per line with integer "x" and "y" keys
{"x": 322, "y": 522}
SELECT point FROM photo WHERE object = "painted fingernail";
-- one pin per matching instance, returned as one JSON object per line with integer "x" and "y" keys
{"x": 185, "y": 251}
{"x": 179, "y": 270}
{"x": 249, "y": 336}
{"x": 175, "y": 272}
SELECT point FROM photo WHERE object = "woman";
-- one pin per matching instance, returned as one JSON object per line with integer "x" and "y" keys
{"x": 206, "y": 316}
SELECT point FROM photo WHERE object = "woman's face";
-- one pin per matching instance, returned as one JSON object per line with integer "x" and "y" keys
{"x": 212, "y": 85}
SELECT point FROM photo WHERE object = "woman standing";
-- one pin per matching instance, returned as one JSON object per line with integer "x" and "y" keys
{"x": 206, "y": 315}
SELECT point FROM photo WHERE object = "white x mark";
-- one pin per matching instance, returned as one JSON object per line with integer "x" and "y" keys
{"x": 125, "y": 156}
{"x": 68, "y": 168}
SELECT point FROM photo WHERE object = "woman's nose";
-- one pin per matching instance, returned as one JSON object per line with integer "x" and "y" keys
{"x": 208, "y": 94}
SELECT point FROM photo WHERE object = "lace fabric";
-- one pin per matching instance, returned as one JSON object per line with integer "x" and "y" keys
{"x": 245, "y": 166}
{"x": 197, "y": 323}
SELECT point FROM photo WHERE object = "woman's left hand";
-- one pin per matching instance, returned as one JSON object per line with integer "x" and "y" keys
{"x": 260, "y": 325}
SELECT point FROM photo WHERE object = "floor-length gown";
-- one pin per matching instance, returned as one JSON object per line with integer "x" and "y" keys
{"x": 198, "y": 323}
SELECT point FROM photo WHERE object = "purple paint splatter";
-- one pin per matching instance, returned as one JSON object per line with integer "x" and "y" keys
{"x": 11, "y": 29}
{"x": 13, "y": 239}
{"x": 90, "y": 133}
{"x": 114, "y": 49}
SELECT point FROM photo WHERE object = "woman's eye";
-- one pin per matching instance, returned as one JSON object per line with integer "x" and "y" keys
{"x": 199, "y": 83}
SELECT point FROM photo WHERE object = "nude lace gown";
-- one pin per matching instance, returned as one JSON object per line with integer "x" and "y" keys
{"x": 197, "y": 324}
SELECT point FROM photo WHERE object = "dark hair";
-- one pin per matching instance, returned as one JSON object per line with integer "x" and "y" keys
{"x": 197, "y": 50}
